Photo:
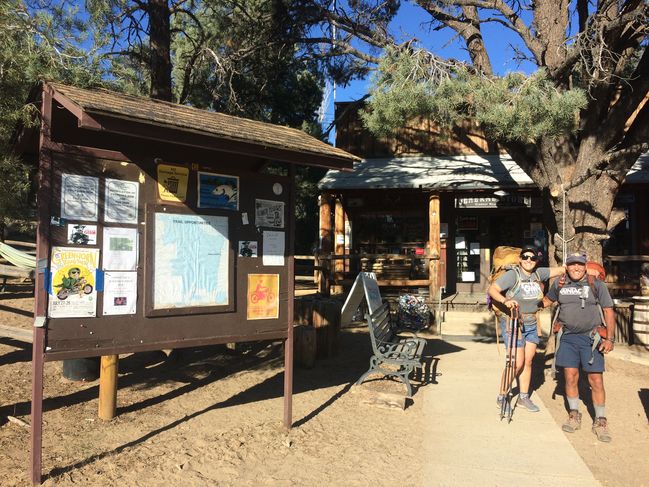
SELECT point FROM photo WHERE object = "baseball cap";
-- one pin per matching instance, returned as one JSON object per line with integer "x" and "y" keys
{"x": 576, "y": 258}
{"x": 529, "y": 248}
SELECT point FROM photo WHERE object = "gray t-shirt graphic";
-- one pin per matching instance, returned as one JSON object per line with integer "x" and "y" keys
{"x": 575, "y": 318}
{"x": 529, "y": 292}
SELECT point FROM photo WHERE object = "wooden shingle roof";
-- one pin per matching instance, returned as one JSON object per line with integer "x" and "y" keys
{"x": 101, "y": 109}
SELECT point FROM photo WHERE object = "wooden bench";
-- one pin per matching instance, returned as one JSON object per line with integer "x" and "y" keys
{"x": 401, "y": 354}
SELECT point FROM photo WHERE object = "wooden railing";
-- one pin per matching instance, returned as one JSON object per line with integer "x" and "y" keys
{"x": 390, "y": 269}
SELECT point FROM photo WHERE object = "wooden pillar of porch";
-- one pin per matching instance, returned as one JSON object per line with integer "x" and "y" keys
{"x": 326, "y": 244}
{"x": 434, "y": 250}
{"x": 339, "y": 246}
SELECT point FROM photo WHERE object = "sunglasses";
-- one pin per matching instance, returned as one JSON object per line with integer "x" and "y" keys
{"x": 533, "y": 258}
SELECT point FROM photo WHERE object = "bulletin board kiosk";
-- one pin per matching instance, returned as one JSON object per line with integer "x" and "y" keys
{"x": 159, "y": 228}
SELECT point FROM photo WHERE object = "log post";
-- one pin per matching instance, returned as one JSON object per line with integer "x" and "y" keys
{"x": 434, "y": 251}
{"x": 108, "y": 387}
{"x": 326, "y": 243}
{"x": 339, "y": 246}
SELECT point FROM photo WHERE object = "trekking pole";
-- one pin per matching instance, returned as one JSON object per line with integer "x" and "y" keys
{"x": 507, "y": 376}
{"x": 510, "y": 390}
{"x": 510, "y": 365}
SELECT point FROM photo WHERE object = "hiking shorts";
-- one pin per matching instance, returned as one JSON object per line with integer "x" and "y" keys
{"x": 575, "y": 350}
{"x": 528, "y": 332}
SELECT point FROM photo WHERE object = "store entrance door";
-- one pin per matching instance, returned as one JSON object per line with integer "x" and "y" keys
{"x": 476, "y": 238}
{"x": 471, "y": 252}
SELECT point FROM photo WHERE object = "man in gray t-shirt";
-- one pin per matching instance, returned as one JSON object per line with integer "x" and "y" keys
{"x": 522, "y": 288}
{"x": 579, "y": 299}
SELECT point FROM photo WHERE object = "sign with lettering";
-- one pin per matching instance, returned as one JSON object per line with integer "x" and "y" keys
{"x": 507, "y": 201}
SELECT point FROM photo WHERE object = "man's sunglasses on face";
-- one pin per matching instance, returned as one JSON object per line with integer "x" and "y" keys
{"x": 533, "y": 258}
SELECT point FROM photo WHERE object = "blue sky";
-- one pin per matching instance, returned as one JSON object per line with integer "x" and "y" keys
{"x": 411, "y": 22}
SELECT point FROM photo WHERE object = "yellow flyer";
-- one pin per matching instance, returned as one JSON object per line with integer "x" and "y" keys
{"x": 263, "y": 296}
{"x": 73, "y": 292}
{"x": 172, "y": 183}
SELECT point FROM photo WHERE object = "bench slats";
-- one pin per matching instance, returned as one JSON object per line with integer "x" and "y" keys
{"x": 391, "y": 349}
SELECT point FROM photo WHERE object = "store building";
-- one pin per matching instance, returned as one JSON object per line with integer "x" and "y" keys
{"x": 428, "y": 202}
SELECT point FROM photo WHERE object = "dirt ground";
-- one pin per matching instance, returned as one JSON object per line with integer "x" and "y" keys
{"x": 623, "y": 462}
{"x": 212, "y": 416}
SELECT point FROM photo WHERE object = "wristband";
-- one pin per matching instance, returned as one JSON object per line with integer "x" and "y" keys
{"x": 612, "y": 340}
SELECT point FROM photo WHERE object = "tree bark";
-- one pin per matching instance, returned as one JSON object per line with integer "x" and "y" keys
{"x": 160, "y": 44}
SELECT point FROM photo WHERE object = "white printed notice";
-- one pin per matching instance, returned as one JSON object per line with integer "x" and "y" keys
{"x": 79, "y": 197}
{"x": 273, "y": 246}
{"x": 120, "y": 249}
{"x": 121, "y": 201}
{"x": 120, "y": 293}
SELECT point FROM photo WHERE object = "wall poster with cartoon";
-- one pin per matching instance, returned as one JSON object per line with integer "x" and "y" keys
{"x": 72, "y": 290}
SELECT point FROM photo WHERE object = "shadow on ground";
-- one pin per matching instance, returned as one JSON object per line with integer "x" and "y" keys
{"x": 196, "y": 367}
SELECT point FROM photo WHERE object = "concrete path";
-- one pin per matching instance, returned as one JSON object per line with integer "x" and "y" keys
{"x": 466, "y": 443}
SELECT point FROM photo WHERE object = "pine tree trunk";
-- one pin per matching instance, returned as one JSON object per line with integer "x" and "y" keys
{"x": 588, "y": 209}
{"x": 160, "y": 44}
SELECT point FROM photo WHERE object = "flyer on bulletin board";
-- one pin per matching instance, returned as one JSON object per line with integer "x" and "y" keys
{"x": 120, "y": 293}
{"x": 79, "y": 197}
{"x": 73, "y": 292}
{"x": 121, "y": 201}
{"x": 263, "y": 296}
{"x": 120, "y": 249}
{"x": 172, "y": 183}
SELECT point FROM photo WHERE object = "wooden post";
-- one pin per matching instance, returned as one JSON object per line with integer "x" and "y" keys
{"x": 339, "y": 248}
{"x": 435, "y": 246}
{"x": 289, "y": 343}
{"x": 108, "y": 387}
{"x": 326, "y": 242}
{"x": 40, "y": 293}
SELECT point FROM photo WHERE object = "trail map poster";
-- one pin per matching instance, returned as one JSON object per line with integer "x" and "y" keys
{"x": 79, "y": 197}
{"x": 72, "y": 289}
{"x": 263, "y": 296}
{"x": 191, "y": 261}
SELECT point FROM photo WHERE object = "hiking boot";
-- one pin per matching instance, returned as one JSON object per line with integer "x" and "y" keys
{"x": 527, "y": 403}
{"x": 573, "y": 423}
{"x": 600, "y": 428}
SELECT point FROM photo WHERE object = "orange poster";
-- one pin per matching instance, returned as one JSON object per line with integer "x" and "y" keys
{"x": 263, "y": 296}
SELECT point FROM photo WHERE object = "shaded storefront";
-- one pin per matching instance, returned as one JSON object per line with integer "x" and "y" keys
{"x": 425, "y": 210}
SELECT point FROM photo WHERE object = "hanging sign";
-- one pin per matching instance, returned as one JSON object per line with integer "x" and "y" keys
{"x": 172, "y": 183}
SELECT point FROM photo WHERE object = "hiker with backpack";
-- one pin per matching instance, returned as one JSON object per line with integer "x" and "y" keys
{"x": 586, "y": 321}
{"x": 521, "y": 287}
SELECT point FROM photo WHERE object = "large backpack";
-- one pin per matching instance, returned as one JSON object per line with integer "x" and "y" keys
{"x": 505, "y": 259}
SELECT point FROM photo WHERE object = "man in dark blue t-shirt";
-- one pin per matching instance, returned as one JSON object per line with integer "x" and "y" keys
{"x": 580, "y": 344}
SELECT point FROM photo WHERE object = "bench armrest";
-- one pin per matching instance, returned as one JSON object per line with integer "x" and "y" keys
{"x": 404, "y": 349}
